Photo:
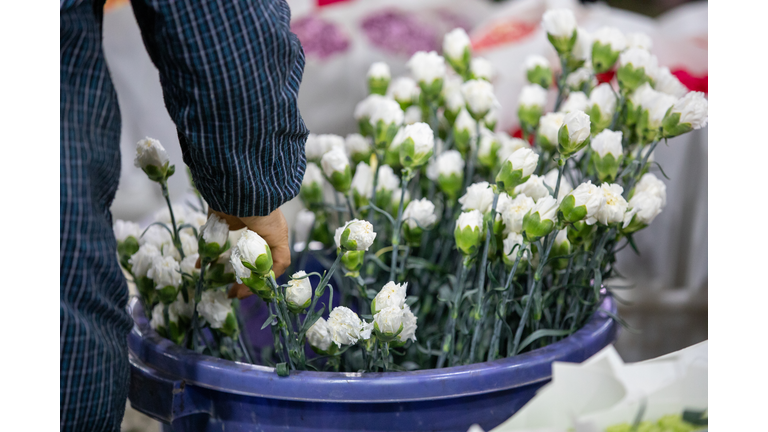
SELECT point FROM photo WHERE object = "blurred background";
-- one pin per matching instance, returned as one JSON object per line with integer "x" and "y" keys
{"x": 665, "y": 302}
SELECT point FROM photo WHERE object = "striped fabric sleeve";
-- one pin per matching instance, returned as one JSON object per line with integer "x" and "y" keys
{"x": 230, "y": 72}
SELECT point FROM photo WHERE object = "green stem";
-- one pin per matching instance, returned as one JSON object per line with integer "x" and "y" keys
{"x": 404, "y": 179}
{"x": 283, "y": 321}
{"x": 198, "y": 297}
{"x": 449, "y": 341}
{"x": 639, "y": 170}
{"x": 352, "y": 212}
{"x": 479, "y": 316}
{"x": 318, "y": 293}
{"x": 176, "y": 240}
{"x": 493, "y": 351}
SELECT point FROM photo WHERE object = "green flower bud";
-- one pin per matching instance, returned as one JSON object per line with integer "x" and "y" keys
{"x": 540, "y": 220}
{"x": 353, "y": 262}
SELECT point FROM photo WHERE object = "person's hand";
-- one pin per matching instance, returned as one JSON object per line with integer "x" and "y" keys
{"x": 274, "y": 230}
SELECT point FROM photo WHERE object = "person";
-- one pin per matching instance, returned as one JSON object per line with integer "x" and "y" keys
{"x": 230, "y": 72}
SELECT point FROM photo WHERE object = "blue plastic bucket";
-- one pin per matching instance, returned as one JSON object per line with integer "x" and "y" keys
{"x": 193, "y": 392}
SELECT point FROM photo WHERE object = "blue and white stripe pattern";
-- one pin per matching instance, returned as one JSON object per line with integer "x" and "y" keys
{"x": 230, "y": 72}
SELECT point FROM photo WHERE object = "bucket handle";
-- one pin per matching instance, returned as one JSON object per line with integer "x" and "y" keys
{"x": 163, "y": 397}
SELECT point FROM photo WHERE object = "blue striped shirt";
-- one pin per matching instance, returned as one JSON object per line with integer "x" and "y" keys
{"x": 230, "y": 72}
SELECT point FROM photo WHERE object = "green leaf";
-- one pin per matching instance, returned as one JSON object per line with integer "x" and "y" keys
{"x": 540, "y": 334}
{"x": 268, "y": 322}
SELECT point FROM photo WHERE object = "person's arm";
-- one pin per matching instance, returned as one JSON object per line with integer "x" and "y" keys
{"x": 230, "y": 72}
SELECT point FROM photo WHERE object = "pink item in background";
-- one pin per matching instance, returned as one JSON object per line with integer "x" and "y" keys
{"x": 320, "y": 38}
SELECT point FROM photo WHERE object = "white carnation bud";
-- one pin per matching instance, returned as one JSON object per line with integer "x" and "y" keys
{"x": 574, "y": 133}
{"x": 379, "y": 70}
{"x": 455, "y": 44}
{"x": 446, "y": 163}
{"x": 602, "y": 105}
{"x": 510, "y": 251}
{"x": 546, "y": 208}
{"x": 639, "y": 58}
{"x": 582, "y": 49}
{"x": 417, "y": 141}
{"x": 180, "y": 308}
{"x": 479, "y": 97}
{"x": 465, "y": 123}
{"x": 644, "y": 207}
{"x": 356, "y": 144}
{"x": 319, "y": 335}
{"x": 549, "y": 126}
{"x": 124, "y": 229}
{"x": 355, "y": 235}
{"x": 387, "y": 111}
{"x": 299, "y": 291}
{"x": 313, "y": 175}
{"x": 657, "y": 104}
{"x": 388, "y": 321}
{"x": 305, "y": 220}
{"x": 533, "y": 187}
{"x": 188, "y": 243}
{"x": 345, "y": 326}
{"x": 215, "y": 230}
{"x": 533, "y": 95}
{"x": 150, "y": 153}
{"x": 312, "y": 148}
{"x": 404, "y": 90}
{"x": 667, "y": 83}
{"x": 391, "y": 295}
{"x": 614, "y": 206}
{"x": 560, "y": 23}
{"x": 214, "y": 307}
{"x": 479, "y": 196}
{"x": 607, "y": 142}
{"x": 165, "y": 272}
{"x": 583, "y": 75}
{"x": 334, "y": 161}
{"x": 576, "y": 101}
{"x": 482, "y": 69}
{"x": 516, "y": 169}
{"x": 534, "y": 60}
{"x": 253, "y": 252}
{"x": 362, "y": 181}
{"x": 471, "y": 219}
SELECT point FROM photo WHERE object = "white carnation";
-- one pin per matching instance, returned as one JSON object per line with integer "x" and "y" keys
{"x": 391, "y": 295}
{"x": 479, "y": 196}
{"x": 158, "y": 319}
{"x": 667, "y": 83}
{"x": 412, "y": 115}
{"x": 479, "y": 96}
{"x": 188, "y": 264}
{"x": 334, "y": 161}
{"x": 388, "y": 180}
{"x": 576, "y": 101}
{"x": 533, "y": 187}
{"x": 446, "y": 163}
{"x": 180, "y": 308}
{"x": 142, "y": 260}
{"x": 305, "y": 220}
{"x": 514, "y": 213}
{"x": 589, "y": 196}
{"x": 362, "y": 181}
{"x": 404, "y": 90}
{"x": 215, "y": 306}
{"x": 578, "y": 126}
{"x": 356, "y": 143}
{"x": 188, "y": 243}
{"x": 549, "y": 126}
{"x": 577, "y": 78}
{"x": 693, "y": 109}
{"x": 582, "y": 49}
{"x": 124, "y": 229}
{"x": 313, "y": 174}
{"x": 409, "y": 325}
{"x": 165, "y": 272}
{"x": 299, "y": 291}
{"x": 312, "y": 148}
{"x": 534, "y": 60}
{"x": 533, "y": 95}
{"x": 639, "y": 58}
{"x": 465, "y": 122}
{"x": 510, "y": 241}
{"x": 524, "y": 159}
{"x": 363, "y": 110}
{"x": 388, "y": 111}
{"x": 508, "y": 145}
{"x": 420, "y": 133}
{"x": 614, "y": 206}
{"x": 319, "y": 335}
{"x": 546, "y": 208}
{"x": 607, "y": 142}
{"x": 345, "y": 326}
{"x": 360, "y": 231}
{"x": 611, "y": 36}
{"x": 251, "y": 246}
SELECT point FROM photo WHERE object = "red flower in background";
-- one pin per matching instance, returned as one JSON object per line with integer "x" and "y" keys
{"x": 693, "y": 82}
